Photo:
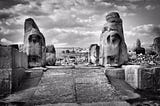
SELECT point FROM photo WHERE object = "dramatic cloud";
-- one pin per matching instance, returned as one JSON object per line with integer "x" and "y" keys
{"x": 146, "y": 33}
{"x": 76, "y": 36}
{"x": 10, "y": 3}
{"x": 149, "y": 7}
{"x": 70, "y": 22}
{"x": 5, "y": 41}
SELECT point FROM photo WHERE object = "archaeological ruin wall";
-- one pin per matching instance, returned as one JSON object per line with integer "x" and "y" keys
{"x": 12, "y": 68}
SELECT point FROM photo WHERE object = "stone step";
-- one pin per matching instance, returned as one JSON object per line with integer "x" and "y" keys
{"x": 26, "y": 88}
{"x": 116, "y": 77}
{"x": 124, "y": 88}
{"x": 115, "y": 72}
{"x": 142, "y": 77}
{"x": 114, "y": 103}
{"x": 61, "y": 67}
{"x": 30, "y": 73}
{"x": 88, "y": 67}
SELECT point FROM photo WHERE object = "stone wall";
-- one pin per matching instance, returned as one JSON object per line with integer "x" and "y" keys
{"x": 141, "y": 77}
{"x": 12, "y": 68}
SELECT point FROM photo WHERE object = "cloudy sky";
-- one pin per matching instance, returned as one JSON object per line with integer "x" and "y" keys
{"x": 79, "y": 22}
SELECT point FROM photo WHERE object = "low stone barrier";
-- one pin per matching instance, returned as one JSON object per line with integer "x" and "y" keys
{"x": 115, "y": 72}
{"x": 12, "y": 68}
{"x": 141, "y": 77}
{"x": 137, "y": 76}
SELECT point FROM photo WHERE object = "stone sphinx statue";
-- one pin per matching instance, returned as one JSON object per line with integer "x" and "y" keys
{"x": 113, "y": 49}
{"x": 50, "y": 55}
{"x": 156, "y": 45}
{"x": 34, "y": 44}
{"x": 138, "y": 49}
{"x": 93, "y": 56}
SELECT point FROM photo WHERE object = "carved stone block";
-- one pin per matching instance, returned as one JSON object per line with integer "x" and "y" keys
{"x": 50, "y": 55}
{"x": 115, "y": 72}
{"x": 12, "y": 68}
{"x": 113, "y": 49}
{"x": 34, "y": 44}
{"x": 141, "y": 77}
{"x": 93, "y": 57}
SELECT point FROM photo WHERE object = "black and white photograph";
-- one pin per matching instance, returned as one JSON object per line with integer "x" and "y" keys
{"x": 79, "y": 52}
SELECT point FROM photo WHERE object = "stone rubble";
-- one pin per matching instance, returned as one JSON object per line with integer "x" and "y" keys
{"x": 145, "y": 60}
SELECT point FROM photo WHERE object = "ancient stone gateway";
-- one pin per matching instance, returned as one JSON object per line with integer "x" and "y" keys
{"x": 93, "y": 57}
{"x": 34, "y": 44}
{"x": 113, "y": 49}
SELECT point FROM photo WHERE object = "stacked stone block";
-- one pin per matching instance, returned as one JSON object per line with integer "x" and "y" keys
{"x": 115, "y": 72}
{"x": 141, "y": 77}
{"x": 12, "y": 68}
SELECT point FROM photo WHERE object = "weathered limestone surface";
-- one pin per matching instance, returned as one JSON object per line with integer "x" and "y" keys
{"x": 34, "y": 44}
{"x": 50, "y": 55}
{"x": 81, "y": 86}
{"x": 141, "y": 77}
{"x": 93, "y": 57}
{"x": 50, "y": 59}
{"x": 5, "y": 82}
{"x": 131, "y": 75}
{"x": 85, "y": 85}
{"x": 19, "y": 59}
{"x": 113, "y": 49}
{"x": 12, "y": 66}
{"x": 156, "y": 45}
{"x": 26, "y": 89}
{"x": 6, "y": 57}
{"x": 115, "y": 72}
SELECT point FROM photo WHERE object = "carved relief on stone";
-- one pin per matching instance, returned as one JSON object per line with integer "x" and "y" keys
{"x": 94, "y": 54}
{"x": 156, "y": 45}
{"x": 113, "y": 49}
{"x": 34, "y": 44}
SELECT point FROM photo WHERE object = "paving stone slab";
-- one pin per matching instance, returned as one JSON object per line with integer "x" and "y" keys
{"x": 116, "y": 103}
{"x": 26, "y": 89}
{"x": 56, "y": 87}
{"x": 124, "y": 88}
{"x": 61, "y": 67}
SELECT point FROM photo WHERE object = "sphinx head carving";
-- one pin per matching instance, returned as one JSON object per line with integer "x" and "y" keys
{"x": 113, "y": 49}
{"x": 94, "y": 54}
{"x": 34, "y": 43}
{"x": 34, "y": 38}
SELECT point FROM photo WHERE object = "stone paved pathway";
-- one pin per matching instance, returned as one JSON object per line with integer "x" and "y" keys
{"x": 73, "y": 86}
{"x": 80, "y": 85}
